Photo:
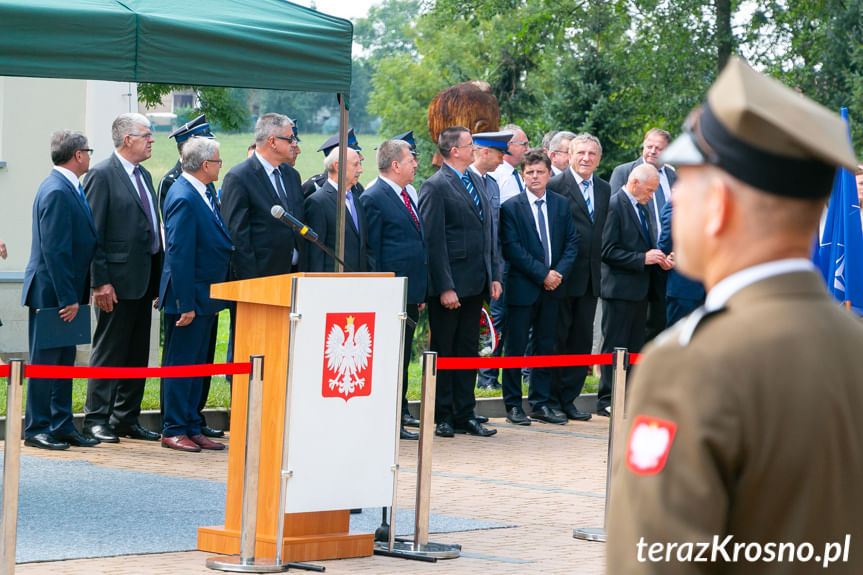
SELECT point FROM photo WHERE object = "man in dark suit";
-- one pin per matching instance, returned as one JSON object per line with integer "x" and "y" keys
{"x": 540, "y": 245}
{"x": 58, "y": 276}
{"x": 588, "y": 197}
{"x": 629, "y": 267}
{"x": 682, "y": 295}
{"x": 462, "y": 273}
{"x": 198, "y": 253}
{"x": 655, "y": 141}
{"x": 320, "y": 210}
{"x": 125, "y": 278}
{"x": 265, "y": 246}
{"x": 395, "y": 235}
{"x": 317, "y": 181}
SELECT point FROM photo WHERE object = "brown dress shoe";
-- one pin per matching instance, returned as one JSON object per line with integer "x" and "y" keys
{"x": 180, "y": 443}
{"x": 206, "y": 443}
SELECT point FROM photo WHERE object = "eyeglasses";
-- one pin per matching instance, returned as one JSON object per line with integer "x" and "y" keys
{"x": 525, "y": 143}
{"x": 88, "y": 150}
{"x": 215, "y": 162}
{"x": 147, "y": 135}
{"x": 288, "y": 139}
{"x": 465, "y": 146}
{"x": 561, "y": 152}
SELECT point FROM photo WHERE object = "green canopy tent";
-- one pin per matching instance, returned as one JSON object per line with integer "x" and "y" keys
{"x": 267, "y": 44}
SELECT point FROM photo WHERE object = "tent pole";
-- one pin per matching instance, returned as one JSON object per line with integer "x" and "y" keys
{"x": 340, "y": 204}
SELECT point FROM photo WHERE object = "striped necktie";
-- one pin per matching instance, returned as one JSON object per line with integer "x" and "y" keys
{"x": 468, "y": 183}
{"x": 586, "y": 193}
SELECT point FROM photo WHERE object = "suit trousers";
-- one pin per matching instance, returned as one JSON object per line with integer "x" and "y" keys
{"x": 574, "y": 337}
{"x": 656, "y": 318}
{"x": 455, "y": 333}
{"x": 49, "y": 401}
{"x": 187, "y": 346}
{"x": 413, "y": 315}
{"x": 121, "y": 339}
{"x": 542, "y": 317}
{"x": 623, "y": 325}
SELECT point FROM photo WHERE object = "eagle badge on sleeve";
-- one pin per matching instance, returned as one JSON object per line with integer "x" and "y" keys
{"x": 649, "y": 443}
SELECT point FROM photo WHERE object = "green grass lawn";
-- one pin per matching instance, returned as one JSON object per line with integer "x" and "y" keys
{"x": 233, "y": 151}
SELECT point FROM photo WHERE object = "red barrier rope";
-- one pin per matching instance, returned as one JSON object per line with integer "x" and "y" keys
{"x": 65, "y": 371}
{"x": 4, "y": 371}
{"x": 528, "y": 361}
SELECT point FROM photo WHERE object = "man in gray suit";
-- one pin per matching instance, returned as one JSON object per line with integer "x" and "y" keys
{"x": 125, "y": 276}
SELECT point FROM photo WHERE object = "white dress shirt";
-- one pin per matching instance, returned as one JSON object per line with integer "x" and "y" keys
{"x": 535, "y": 209}
{"x": 507, "y": 181}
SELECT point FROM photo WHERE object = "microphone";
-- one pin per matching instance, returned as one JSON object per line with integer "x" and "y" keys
{"x": 279, "y": 213}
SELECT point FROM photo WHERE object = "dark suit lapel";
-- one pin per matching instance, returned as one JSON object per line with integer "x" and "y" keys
{"x": 120, "y": 174}
{"x": 577, "y": 193}
{"x": 82, "y": 203}
{"x": 264, "y": 180}
{"x": 524, "y": 200}
{"x": 400, "y": 207}
{"x": 627, "y": 206}
{"x": 457, "y": 185}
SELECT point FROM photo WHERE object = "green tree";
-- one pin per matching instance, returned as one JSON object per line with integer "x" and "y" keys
{"x": 226, "y": 108}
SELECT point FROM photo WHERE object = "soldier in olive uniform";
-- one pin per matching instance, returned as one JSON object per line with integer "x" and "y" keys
{"x": 743, "y": 452}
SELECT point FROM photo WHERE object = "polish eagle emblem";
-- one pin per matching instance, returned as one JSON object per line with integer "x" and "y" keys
{"x": 347, "y": 357}
{"x": 649, "y": 444}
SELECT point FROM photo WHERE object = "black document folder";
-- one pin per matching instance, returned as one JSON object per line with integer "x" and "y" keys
{"x": 52, "y": 331}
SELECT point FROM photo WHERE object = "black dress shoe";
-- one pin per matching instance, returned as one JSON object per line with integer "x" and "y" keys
{"x": 45, "y": 441}
{"x": 603, "y": 411}
{"x": 136, "y": 431}
{"x": 544, "y": 413}
{"x": 573, "y": 413}
{"x": 405, "y": 434}
{"x": 480, "y": 418}
{"x": 78, "y": 440}
{"x": 409, "y": 420}
{"x": 211, "y": 432}
{"x": 473, "y": 427}
{"x": 103, "y": 433}
{"x": 444, "y": 429}
{"x": 517, "y": 416}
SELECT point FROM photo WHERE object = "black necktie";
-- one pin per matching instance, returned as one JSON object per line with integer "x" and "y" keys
{"x": 543, "y": 234}
{"x": 642, "y": 215}
{"x": 283, "y": 197}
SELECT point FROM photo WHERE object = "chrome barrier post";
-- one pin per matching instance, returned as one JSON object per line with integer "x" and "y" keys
{"x": 421, "y": 548}
{"x": 11, "y": 467}
{"x": 246, "y": 562}
{"x": 618, "y": 396}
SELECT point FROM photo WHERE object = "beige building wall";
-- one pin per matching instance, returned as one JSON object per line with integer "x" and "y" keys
{"x": 30, "y": 109}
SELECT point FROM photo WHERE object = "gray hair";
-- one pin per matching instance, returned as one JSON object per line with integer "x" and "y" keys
{"x": 511, "y": 128}
{"x": 126, "y": 124}
{"x": 389, "y": 152}
{"x": 585, "y": 137}
{"x": 64, "y": 144}
{"x": 546, "y": 139}
{"x": 270, "y": 123}
{"x": 643, "y": 173}
{"x": 555, "y": 141}
{"x": 197, "y": 151}
{"x": 331, "y": 159}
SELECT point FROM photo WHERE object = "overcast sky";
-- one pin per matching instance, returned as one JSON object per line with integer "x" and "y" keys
{"x": 349, "y": 9}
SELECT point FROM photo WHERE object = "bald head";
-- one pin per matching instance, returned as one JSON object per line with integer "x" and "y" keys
{"x": 643, "y": 181}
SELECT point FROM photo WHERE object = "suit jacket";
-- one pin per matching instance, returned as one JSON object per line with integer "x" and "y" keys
{"x": 165, "y": 184}
{"x": 742, "y": 391}
{"x": 320, "y": 208}
{"x": 459, "y": 243}
{"x": 264, "y": 246}
{"x": 620, "y": 174}
{"x": 123, "y": 257}
{"x": 198, "y": 252}
{"x": 624, "y": 275}
{"x": 62, "y": 246}
{"x": 492, "y": 194}
{"x": 396, "y": 244}
{"x": 587, "y": 264}
{"x": 677, "y": 285}
{"x": 522, "y": 246}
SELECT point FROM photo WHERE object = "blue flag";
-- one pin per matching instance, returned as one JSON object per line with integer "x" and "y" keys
{"x": 839, "y": 254}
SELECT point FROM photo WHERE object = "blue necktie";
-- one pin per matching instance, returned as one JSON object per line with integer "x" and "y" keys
{"x": 543, "y": 234}
{"x": 586, "y": 193}
{"x": 517, "y": 180}
{"x": 468, "y": 183}
{"x": 84, "y": 197}
{"x": 642, "y": 215}
{"x": 352, "y": 208}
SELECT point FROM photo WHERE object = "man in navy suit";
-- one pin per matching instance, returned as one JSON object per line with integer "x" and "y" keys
{"x": 588, "y": 197}
{"x": 682, "y": 295}
{"x": 125, "y": 277}
{"x": 630, "y": 264}
{"x": 395, "y": 235}
{"x": 462, "y": 273}
{"x": 198, "y": 254}
{"x": 540, "y": 244}
{"x": 655, "y": 141}
{"x": 320, "y": 209}
{"x": 264, "y": 245}
{"x": 58, "y": 276}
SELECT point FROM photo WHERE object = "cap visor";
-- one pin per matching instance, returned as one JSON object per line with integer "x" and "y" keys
{"x": 682, "y": 152}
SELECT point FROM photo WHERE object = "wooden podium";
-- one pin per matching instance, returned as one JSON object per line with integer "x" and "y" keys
{"x": 263, "y": 327}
